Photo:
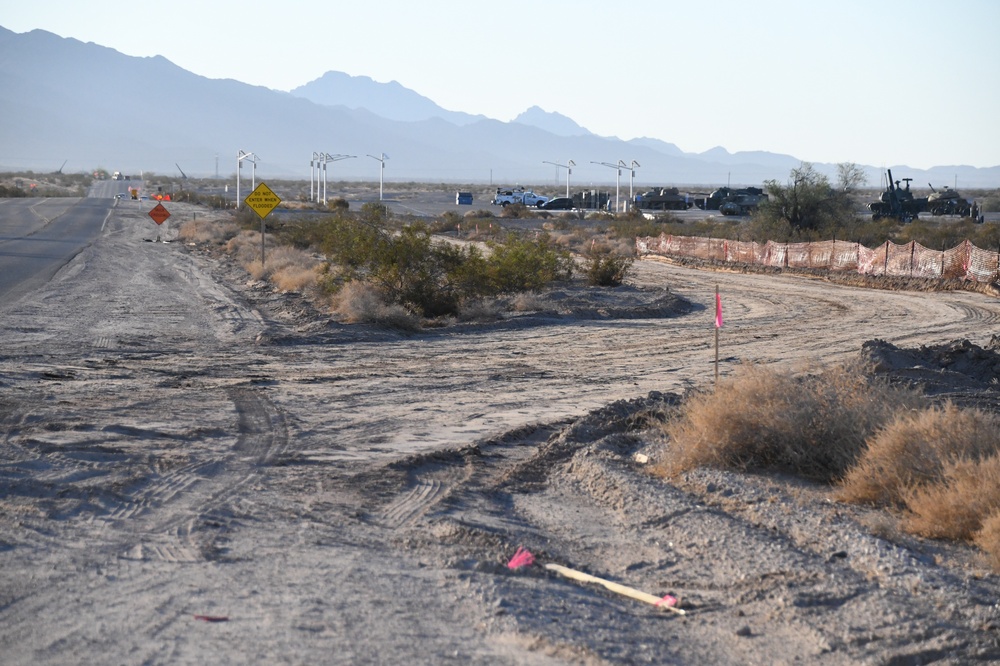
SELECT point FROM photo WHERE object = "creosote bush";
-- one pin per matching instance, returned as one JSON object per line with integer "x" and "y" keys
{"x": 432, "y": 278}
{"x": 605, "y": 269}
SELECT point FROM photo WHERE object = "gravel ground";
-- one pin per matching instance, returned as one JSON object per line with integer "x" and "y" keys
{"x": 197, "y": 469}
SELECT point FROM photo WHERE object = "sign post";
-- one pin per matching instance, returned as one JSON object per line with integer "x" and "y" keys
{"x": 159, "y": 214}
{"x": 262, "y": 200}
{"x": 718, "y": 325}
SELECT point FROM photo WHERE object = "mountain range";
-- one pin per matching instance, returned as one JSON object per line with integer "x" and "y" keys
{"x": 86, "y": 106}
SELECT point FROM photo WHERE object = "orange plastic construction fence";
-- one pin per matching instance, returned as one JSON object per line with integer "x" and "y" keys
{"x": 965, "y": 262}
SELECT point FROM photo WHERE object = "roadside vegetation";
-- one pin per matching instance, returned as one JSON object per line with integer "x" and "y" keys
{"x": 54, "y": 184}
{"x": 809, "y": 207}
{"x": 369, "y": 266}
{"x": 935, "y": 467}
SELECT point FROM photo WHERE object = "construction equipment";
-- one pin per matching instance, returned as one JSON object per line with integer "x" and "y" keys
{"x": 897, "y": 202}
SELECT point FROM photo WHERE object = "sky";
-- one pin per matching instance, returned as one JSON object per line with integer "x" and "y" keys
{"x": 879, "y": 83}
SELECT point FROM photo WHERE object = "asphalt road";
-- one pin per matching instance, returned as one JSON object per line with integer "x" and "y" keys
{"x": 40, "y": 236}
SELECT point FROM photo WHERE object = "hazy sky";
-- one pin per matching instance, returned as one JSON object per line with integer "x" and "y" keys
{"x": 879, "y": 83}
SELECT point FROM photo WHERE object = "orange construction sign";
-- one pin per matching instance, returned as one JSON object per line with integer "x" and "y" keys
{"x": 159, "y": 214}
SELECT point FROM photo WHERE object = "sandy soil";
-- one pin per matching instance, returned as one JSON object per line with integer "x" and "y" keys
{"x": 182, "y": 445}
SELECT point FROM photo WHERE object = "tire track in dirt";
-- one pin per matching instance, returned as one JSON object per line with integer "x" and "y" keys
{"x": 191, "y": 506}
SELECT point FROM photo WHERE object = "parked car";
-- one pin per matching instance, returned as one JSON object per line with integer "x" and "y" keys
{"x": 558, "y": 203}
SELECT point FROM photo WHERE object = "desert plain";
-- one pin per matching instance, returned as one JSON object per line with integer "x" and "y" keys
{"x": 196, "y": 468}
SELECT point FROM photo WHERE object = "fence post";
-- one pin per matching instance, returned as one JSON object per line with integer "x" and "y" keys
{"x": 913, "y": 250}
{"x": 885, "y": 264}
{"x": 942, "y": 259}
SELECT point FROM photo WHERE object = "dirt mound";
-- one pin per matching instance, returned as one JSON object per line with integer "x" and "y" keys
{"x": 959, "y": 370}
{"x": 579, "y": 301}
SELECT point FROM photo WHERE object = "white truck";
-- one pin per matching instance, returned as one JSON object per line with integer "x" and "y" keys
{"x": 519, "y": 195}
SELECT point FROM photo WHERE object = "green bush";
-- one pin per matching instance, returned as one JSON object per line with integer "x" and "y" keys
{"x": 432, "y": 278}
{"x": 607, "y": 270}
{"x": 518, "y": 264}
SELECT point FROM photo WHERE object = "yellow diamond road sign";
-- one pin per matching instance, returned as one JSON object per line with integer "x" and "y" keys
{"x": 262, "y": 200}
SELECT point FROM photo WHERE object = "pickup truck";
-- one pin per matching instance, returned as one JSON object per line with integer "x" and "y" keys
{"x": 504, "y": 197}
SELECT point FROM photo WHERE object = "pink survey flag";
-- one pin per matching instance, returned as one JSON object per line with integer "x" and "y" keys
{"x": 718, "y": 310}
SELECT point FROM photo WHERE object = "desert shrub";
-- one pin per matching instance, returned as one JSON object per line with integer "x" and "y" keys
{"x": 434, "y": 278}
{"x": 914, "y": 448}
{"x": 481, "y": 213}
{"x": 956, "y": 506}
{"x": 813, "y": 426}
{"x": 987, "y": 539}
{"x": 449, "y": 221}
{"x": 286, "y": 267}
{"x": 244, "y": 247}
{"x": 514, "y": 211}
{"x": 11, "y": 192}
{"x": 215, "y": 201}
{"x": 350, "y": 243}
{"x": 518, "y": 264}
{"x": 932, "y": 234}
{"x": 374, "y": 212}
{"x": 529, "y": 302}
{"x": 986, "y": 236}
{"x": 481, "y": 310}
{"x": 294, "y": 277}
{"x": 559, "y": 223}
{"x": 358, "y": 302}
{"x": 991, "y": 202}
{"x": 637, "y": 228}
{"x": 215, "y": 232}
{"x": 415, "y": 272}
{"x": 606, "y": 269}
{"x": 338, "y": 204}
{"x": 298, "y": 233}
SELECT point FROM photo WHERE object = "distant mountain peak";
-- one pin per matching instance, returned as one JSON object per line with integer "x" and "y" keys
{"x": 388, "y": 100}
{"x": 551, "y": 121}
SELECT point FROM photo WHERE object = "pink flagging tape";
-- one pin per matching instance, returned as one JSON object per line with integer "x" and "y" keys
{"x": 522, "y": 558}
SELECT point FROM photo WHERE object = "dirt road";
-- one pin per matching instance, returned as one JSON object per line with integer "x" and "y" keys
{"x": 197, "y": 470}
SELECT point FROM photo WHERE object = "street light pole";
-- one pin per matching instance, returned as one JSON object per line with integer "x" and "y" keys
{"x": 327, "y": 157}
{"x": 618, "y": 168}
{"x": 240, "y": 156}
{"x": 314, "y": 173}
{"x": 631, "y": 177}
{"x": 569, "y": 169}
{"x": 382, "y": 160}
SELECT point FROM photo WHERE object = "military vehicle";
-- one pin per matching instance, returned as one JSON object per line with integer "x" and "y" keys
{"x": 947, "y": 202}
{"x": 743, "y": 203}
{"x": 897, "y": 202}
{"x": 665, "y": 198}
{"x": 720, "y": 196}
